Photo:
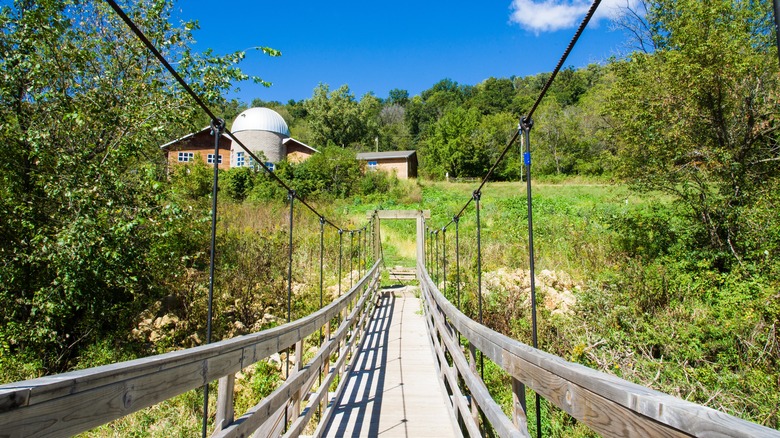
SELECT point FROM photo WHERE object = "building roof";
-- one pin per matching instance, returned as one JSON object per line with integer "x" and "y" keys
{"x": 260, "y": 119}
{"x": 289, "y": 140}
{"x": 385, "y": 155}
{"x": 166, "y": 146}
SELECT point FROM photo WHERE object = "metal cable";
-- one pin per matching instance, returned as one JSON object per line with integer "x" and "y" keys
{"x": 542, "y": 93}
{"x": 565, "y": 55}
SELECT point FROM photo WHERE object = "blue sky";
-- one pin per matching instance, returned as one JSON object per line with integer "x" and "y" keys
{"x": 378, "y": 46}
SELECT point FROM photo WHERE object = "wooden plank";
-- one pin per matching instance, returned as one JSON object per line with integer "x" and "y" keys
{"x": 393, "y": 388}
{"x": 603, "y": 416}
{"x": 518, "y": 406}
{"x": 39, "y": 390}
{"x": 88, "y": 409}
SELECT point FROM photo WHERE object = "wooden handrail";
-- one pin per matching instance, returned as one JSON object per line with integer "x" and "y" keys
{"x": 607, "y": 404}
{"x": 77, "y": 401}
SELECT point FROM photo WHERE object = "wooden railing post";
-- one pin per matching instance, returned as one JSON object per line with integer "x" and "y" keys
{"x": 296, "y": 402}
{"x": 473, "y": 368}
{"x": 224, "y": 402}
{"x": 518, "y": 405}
{"x": 325, "y": 370}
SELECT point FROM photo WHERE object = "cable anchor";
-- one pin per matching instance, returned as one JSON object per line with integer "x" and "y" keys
{"x": 217, "y": 126}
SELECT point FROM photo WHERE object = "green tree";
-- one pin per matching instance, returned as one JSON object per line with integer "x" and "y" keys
{"x": 333, "y": 172}
{"x": 86, "y": 226}
{"x": 558, "y": 137}
{"x": 398, "y": 97}
{"x": 393, "y": 132}
{"x": 451, "y": 147}
{"x": 334, "y": 116}
{"x": 698, "y": 117}
{"x": 369, "y": 107}
{"x": 493, "y": 96}
{"x": 493, "y": 134}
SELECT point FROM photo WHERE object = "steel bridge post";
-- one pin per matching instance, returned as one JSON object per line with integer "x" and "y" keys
{"x": 217, "y": 127}
{"x": 291, "y": 197}
{"x": 456, "y": 219}
{"x": 477, "y": 197}
{"x": 525, "y": 126}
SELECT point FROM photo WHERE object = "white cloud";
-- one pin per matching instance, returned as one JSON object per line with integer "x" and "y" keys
{"x": 551, "y": 15}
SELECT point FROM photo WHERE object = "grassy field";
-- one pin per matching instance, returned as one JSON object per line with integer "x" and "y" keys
{"x": 648, "y": 306}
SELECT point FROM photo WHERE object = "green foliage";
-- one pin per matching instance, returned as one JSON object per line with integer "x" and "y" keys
{"x": 86, "y": 222}
{"x": 237, "y": 182}
{"x": 335, "y": 117}
{"x": 193, "y": 180}
{"x": 334, "y": 171}
{"x": 697, "y": 117}
{"x": 450, "y": 147}
{"x": 266, "y": 380}
{"x": 493, "y": 96}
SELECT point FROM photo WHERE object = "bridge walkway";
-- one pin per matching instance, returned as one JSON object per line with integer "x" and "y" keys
{"x": 394, "y": 389}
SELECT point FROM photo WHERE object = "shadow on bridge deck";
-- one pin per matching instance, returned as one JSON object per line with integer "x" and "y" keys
{"x": 393, "y": 389}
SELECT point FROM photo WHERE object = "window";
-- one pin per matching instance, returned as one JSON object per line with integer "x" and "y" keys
{"x": 270, "y": 166}
{"x": 210, "y": 159}
{"x": 372, "y": 165}
{"x": 186, "y": 156}
{"x": 240, "y": 159}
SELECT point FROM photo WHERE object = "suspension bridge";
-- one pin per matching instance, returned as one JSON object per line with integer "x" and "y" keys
{"x": 389, "y": 363}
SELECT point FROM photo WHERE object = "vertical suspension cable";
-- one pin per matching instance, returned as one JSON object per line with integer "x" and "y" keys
{"x": 477, "y": 196}
{"x": 322, "y": 263}
{"x": 217, "y": 126}
{"x": 525, "y": 125}
{"x": 456, "y": 219}
{"x": 359, "y": 249}
{"x": 433, "y": 256}
{"x": 351, "y": 251}
{"x": 365, "y": 246}
{"x": 430, "y": 251}
{"x": 425, "y": 245}
{"x": 373, "y": 238}
{"x": 436, "y": 237}
{"x": 444, "y": 255}
{"x": 341, "y": 235}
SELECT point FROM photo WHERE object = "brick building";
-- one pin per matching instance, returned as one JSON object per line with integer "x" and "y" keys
{"x": 263, "y": 131}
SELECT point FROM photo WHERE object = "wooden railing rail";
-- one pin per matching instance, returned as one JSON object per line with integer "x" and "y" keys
{"x": 303, "y": 379}
{"x": 74, "y": 402}
{"x": 609, "y": 405}
{"x": 477, "y": 401}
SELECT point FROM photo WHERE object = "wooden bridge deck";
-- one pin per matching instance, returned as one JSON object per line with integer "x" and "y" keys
{"x": 394, "y": 389}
